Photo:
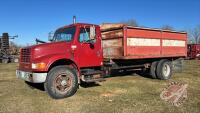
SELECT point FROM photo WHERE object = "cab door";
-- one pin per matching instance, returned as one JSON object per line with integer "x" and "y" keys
{"x": 89, "y": 47}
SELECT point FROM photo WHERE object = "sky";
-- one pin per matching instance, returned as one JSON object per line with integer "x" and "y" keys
{"x": 30, "y": 19}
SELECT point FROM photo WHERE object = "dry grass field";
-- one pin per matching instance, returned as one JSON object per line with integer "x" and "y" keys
{"x": 120, "y": 94}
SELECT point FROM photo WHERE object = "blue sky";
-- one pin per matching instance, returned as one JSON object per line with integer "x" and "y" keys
{"x": 32, "y": 19}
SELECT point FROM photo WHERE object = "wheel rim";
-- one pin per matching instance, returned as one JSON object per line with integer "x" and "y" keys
{"x": 166, "y": 70}
{"x": 63, "y": 82}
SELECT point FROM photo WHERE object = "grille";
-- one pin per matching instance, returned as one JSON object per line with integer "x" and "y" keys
{"x": 25, "y": 55}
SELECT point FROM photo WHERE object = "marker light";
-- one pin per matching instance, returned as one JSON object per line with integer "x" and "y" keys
{"x": 38, "y": 65}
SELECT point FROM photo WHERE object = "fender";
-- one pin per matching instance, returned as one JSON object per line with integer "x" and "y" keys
{"x": 63, "y": 57}
{"x": 57, "y": 57}
{"x": 50, "y": 59}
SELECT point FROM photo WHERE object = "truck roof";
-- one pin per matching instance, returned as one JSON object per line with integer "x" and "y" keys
{"x": 77, "y": 24}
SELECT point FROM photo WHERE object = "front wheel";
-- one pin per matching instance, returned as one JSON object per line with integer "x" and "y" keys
{"x": 61, "y": 82}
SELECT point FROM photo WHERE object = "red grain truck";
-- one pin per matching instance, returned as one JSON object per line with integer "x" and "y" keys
{"x": 88, "y": 53}
{"x": 193, "y": 51}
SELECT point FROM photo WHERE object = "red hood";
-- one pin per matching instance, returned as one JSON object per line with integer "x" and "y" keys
{"x": 44, "y": 53}
{"x": 48, "y": 49}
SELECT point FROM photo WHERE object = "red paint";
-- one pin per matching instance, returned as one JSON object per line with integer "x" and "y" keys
{"x": 135, "y": 52}
{"x": 86, "y": 54}
{"x": 90, "y": 55}
{"x": 125, "y": 41}
{"x": 82, "y": 56}
{"x": 155, "y": 51}
{"x": 193, "y": 51}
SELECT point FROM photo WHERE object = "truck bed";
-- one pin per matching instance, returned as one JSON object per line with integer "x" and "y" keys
{"x": 125, "y": 42}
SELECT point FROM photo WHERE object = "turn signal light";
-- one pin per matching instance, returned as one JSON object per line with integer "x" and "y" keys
{"x": 38, "y": 65}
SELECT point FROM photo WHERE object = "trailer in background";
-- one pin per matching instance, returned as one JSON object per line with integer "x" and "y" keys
{"x": 193, "y": 51}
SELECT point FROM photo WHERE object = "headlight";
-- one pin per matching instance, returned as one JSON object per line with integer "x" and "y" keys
{"x": 38, "y": 65}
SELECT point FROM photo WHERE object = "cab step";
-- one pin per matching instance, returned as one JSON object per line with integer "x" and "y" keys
{"x": 92, "y": 76}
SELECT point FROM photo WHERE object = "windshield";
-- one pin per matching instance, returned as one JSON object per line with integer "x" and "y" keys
{"x": 65, "y": 34}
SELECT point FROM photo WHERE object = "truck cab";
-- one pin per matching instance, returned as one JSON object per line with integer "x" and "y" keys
{"x": 74, "y": 51}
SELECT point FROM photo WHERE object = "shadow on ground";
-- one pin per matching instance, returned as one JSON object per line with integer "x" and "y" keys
{"x": 39, "y": 86}
{"x": 115, "y": 73}
{"x": 121, "y": 73}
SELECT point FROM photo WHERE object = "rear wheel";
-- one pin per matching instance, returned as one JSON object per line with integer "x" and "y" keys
{"x": 61, "y": 82}
{"x": 152, "y": 71}
{"x": 164, "y": 69}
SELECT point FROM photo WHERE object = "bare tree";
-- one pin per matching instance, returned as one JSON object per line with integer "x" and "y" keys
{"x": 194, "y": 34}
{"x": 167, "y": 27}
{"x": 14, "y": 48}
{"x": 199, "y": 41}
{"x": 130, "y": 22}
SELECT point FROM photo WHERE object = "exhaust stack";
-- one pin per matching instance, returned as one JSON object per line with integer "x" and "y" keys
{"x": 74, "y": 19}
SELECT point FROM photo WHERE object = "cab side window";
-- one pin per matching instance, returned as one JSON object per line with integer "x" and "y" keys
{"x": 84, "y": 35}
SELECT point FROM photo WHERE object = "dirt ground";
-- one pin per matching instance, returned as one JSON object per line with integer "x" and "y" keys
{"x": 121, "y": 94}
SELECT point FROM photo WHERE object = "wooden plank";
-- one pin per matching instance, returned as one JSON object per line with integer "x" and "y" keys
{"x": 107, "y": 27}
{"x": 112, "y": 34}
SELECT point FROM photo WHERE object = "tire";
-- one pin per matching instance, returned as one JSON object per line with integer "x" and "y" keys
{"x": 164, "y": 69}
{"x": 61, "y": 82}
{"x": 152, "y": 71}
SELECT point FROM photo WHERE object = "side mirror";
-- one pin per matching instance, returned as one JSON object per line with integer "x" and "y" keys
{"x": 50, "y": 36}
{"x": 92, "y": 32}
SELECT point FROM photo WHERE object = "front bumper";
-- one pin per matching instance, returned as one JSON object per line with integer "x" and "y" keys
{"x": 31, "y": 77}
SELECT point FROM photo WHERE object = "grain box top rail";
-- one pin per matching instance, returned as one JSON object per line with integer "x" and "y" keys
{"x": 110, "y": 27}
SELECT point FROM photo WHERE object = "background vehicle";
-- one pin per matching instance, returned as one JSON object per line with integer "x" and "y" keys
{"x": 88, "y": 53}
{"x": 193, "y": 51}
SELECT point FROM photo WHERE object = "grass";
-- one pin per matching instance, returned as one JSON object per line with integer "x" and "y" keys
{"x": 121, "y": 94}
